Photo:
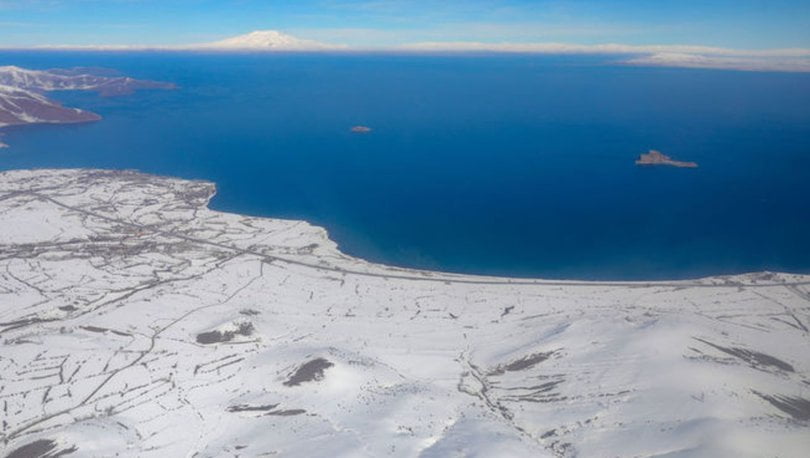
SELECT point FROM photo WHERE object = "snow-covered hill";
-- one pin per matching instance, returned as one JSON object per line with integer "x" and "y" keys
{"x": 134, "y": 321}
{"x": 21, "y": 106}
{"x": 22, "y": 102}
{"x": 60, "y": 80}
{"x": 267, "y": 40}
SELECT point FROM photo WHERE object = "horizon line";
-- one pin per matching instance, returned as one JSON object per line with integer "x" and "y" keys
{"x": 793, "y": 59}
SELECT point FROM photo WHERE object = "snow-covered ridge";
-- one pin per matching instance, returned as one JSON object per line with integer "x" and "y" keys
{"x": 23, "y": 106}
{"x": 60, "y": 80}
{"x": 136, "y": 321}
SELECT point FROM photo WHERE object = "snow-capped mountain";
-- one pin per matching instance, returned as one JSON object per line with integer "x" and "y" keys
{"x": 267, "y": 40}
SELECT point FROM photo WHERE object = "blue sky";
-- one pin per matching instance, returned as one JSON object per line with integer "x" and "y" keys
{"x": 752, "y": 24}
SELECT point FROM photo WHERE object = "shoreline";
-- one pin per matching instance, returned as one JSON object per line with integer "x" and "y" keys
{"x": 445, "y": 276}
{"x": 127, "y": 304}
{"x": 505, "y": 278}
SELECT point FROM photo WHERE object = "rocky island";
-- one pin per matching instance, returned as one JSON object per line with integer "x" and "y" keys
{"x": 657, "y": 158}
{"x": 361, "y": 129}
{"x": 135, "y": 321}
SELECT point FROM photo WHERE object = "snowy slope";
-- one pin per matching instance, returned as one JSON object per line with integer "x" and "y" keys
{"x": 21, "y": 106}
{"x": 22, "y": 102}
{"x": 266, "y": 40}
{"x": 11, "y": 75}
{"x": 61, "y": 80}
{"x": 135, "y": 321}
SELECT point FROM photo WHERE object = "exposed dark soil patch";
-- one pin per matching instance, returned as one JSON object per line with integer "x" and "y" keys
{"x": 103, "y": 330}
{"x": 42, "y": 448}
{"x": 269, "y": 409}
{"x": 549, "y": 433}
{"x": 523, "y": 363}
{"x": 211, "y": 337}
{"x": 22, "y": 323}
{"x": 548, "y": 386}
{"x": 796, "y": 407}
{"x": 286, "y": 413}
{"x": 528, "y": 361}
{"x": 249, "y": 408}
{"x": 754, "y": 358}
{"x": 308, "y": 372}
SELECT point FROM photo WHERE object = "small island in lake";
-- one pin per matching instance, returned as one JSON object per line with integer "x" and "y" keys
{"x": 361, "y": 129}
{"x": 658, "y": 158}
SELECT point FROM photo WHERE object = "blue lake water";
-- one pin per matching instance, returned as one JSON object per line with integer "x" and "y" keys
{"x": 508, "y": 165}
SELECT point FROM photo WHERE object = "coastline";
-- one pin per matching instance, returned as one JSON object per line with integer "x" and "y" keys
{"x": 754, "y": 278}
{"x": 278, "y": 342}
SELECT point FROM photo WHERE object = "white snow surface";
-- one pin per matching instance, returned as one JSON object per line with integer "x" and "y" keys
{"x": 18, "y": 106}
{"x": 22, "y": 102}
{"x": 266, "y": 40}
{"x": 23, "y": 78}
{"x": 135, "y": 321}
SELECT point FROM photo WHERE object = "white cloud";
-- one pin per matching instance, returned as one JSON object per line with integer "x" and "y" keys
{"x": 787, "y": 59}
{"x": 608, "y": 48}
{"x": 733, "y": 62}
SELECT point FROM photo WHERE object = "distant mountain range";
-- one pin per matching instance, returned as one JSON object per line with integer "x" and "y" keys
{"x": 22, "y": 99}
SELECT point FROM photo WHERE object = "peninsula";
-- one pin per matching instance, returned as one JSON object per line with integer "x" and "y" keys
{"x": 658, "y": 158}
{"x": 22, "y": 100}
{"x": 23, "y": 106}
{"x": 135, "y": 321}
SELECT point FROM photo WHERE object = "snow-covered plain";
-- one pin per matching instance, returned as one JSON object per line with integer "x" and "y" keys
{"x": 134, "y": 321}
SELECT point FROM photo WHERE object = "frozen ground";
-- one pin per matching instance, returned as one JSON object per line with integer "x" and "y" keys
{"x": 135, "y": 321}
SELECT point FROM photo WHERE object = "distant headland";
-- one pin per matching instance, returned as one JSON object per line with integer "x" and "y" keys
{"x": 655, "y": 157}
{"x": 22, "y": 100}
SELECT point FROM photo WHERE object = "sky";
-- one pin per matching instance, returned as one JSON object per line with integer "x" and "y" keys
{"x": 740, "y": 24}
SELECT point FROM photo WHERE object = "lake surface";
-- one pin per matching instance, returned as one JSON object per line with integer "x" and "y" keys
{"x": 507, "y": 165}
